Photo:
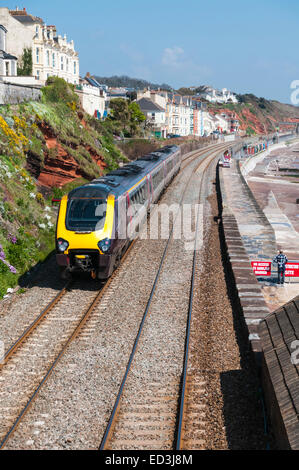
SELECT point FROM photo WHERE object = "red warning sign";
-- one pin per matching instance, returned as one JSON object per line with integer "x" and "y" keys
{"x": 261, "y": 268}
{"x": 292, "y": 269}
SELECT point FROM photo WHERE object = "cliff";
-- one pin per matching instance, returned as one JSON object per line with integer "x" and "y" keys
{"x": 258, "y": 115}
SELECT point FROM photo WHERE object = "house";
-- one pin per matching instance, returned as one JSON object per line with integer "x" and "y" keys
{"x": 198, "y": 112}
{"x": 155, "y": 116}
{"x": 92, "y": 97}
{"x": 52, "y": 54}
{"x": 8, "y": 62}
{"x": 233, "y": 121}
{"x": 217, "y": 96}
{"x": 223, "y": 125}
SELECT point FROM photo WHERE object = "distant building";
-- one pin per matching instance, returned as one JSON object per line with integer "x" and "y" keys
{"x": 52, "y": 54}
{"x": 155, "y": 116}
{"x": 118, "y": 93}
{"x": 217, "y": 96}
{"x": 92, "y": 97}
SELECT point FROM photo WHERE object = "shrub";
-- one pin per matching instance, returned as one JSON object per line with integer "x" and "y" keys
{"x": 58, "y": 90}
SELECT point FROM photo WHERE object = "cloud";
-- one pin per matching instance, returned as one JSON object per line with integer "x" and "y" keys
{"x": 172, "y": 56}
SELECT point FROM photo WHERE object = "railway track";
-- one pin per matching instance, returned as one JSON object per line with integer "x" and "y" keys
{"x": 196, "y": 153}
{"x": 30, "y": 361}
{"x": 151, "y": 412}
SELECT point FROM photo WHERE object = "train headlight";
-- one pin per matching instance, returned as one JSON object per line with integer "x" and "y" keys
{"x": 105, "y": 245}
{"x": 62, "y": 245}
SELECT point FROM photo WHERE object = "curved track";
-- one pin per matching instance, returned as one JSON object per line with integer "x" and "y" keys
{"x": 152, "y": 419}
{"x": 31, "y": 359}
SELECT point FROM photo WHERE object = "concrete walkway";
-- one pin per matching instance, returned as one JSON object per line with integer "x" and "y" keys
{"x": 287, "y": 237}
{"x": 257, "y": 234}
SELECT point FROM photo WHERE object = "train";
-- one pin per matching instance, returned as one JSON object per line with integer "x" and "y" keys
{"x": 97, "y": 222}
{"x": 225, "y": 160}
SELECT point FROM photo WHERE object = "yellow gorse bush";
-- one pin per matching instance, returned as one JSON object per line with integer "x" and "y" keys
{"x": 15, "y": 139}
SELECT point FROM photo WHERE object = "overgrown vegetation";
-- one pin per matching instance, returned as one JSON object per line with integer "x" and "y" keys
{"x": 26, "y": 223}
{"x": 25, "y": 64}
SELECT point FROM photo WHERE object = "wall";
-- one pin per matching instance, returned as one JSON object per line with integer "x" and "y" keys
{"x": 19, "y": 80}
{"x": 13, "y": 94}
{"x": 18, "y": 37}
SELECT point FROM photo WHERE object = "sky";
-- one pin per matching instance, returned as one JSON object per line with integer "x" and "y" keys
{"x": 247, "y": 46}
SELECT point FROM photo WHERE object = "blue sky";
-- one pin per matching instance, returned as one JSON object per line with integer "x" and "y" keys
{"x": 247, "y": 46}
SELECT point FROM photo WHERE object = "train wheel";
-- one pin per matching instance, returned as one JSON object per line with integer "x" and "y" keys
{"x": 117, "y": 262}
{"x": 65, "y": 274}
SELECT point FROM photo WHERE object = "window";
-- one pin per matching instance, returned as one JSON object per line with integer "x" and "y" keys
{"x": 67, "y": 65}
{"x": 48, "y": 58}
{"x": 37, "y": 55}
{"x": 38, "y": 74}
{"x": 75, "y": 68}
{"x": 158, "y": 178}
{"x": 86, "y": 214}
{"x": 169, "y": 166}
{"x": 7, "y": 69}
{"x": 61, "y": 63}
{"x": 53, "y": 60}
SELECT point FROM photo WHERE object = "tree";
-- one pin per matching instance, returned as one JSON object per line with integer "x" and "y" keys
{"x": 25, "y": 67}
{"x": 119, "y": 110}
{"x": 136, "y": 114}
{"x": 126, "y": 116}
{"x": 136, "y": 117}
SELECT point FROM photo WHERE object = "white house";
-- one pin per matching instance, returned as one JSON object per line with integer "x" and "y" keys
{"x": 52, "y": 54}
{"x": 223, "y": 125}
{"x": 8, "y": 62}
{"x": 92, "y": 97}
{"x": 155, "y": 116}
{"x": 217, "y": 96}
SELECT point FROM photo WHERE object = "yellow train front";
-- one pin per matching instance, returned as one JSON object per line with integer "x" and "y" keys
{"x": 97, "y": 222}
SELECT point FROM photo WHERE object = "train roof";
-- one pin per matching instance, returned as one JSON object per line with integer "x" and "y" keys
{"x": 121, "y": 180}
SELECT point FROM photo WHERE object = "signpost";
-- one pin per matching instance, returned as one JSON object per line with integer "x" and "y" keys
{"x": 292, "y": 269}
{"x": 261, "y": 268}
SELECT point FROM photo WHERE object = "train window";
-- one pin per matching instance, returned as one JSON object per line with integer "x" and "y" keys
{"x": 169, "y": 166}
{"x": 158, "y": 178}
{"x": 86, "y": 214}
{"x": 142, "y": 194}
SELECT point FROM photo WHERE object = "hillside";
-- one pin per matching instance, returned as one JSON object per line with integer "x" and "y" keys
{"x": 257, "y": 115}
{"x": 127, "y": 82}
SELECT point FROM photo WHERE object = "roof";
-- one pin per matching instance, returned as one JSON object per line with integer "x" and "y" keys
{"x": 149, "y": 106}
{"x": 278, "y": 332}
{"x": 123, "y": 179}
{"x": 92, "y": 81}
{"x": 5, "y": 55}
{"x": 23, "y": 17}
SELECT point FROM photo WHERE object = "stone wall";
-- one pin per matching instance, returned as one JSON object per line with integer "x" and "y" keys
{"x": 14, "y": 94}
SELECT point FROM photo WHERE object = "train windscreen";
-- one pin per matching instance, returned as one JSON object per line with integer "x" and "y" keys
{"x": 86, "y": 215}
